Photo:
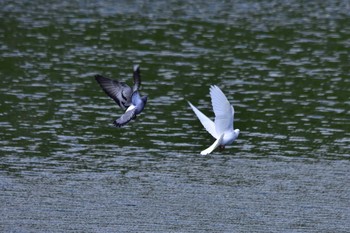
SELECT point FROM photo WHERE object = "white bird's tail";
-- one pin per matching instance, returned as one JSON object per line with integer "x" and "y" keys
{"x": 213, "y": 146}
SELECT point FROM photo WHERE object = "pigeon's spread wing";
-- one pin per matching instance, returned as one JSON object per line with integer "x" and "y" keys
{"x": 118, "y": 91}
{"x": 125, "y": 118}
{"x": 213, "y": 146}
{"x": 137, "y": 78}
{"x": 222, "y": 109}
{"x": 206, "y": 122}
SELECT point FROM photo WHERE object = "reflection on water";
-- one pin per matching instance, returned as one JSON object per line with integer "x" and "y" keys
{"x": 284, "y": 66}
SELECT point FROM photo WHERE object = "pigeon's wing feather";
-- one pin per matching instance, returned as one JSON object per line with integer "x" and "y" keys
{"x": 222, "y": 109}
{"x": 206, "y": 122}
{"x": 126, "y": 117}
{"x": 137, "y": 78}
{"x": 118, "y": 91}
{"x": 213, "y": 146}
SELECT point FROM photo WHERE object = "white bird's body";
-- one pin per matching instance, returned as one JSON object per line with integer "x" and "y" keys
{"x": 222, "y": 127}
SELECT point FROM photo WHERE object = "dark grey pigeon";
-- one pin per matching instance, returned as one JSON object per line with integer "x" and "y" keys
{"x": 124, "y": 96}
{"x": 137, "y": 105}
{"x": 120, "y": 92}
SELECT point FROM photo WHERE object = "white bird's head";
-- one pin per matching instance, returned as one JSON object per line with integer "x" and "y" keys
{"x": 236, "y": 132}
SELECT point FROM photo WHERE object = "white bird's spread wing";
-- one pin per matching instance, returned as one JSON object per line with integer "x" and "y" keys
{"x": 233, "y": 116}
{"x": 222, "y": 109}
{"x": 206, "y": 122}
{"x": 213, "y": 146}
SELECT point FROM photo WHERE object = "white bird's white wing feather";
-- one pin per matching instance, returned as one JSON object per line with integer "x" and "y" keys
{"x": 208, "y": 124}
{"x": 222, "y": 109}
{"x": 213, "y": 146}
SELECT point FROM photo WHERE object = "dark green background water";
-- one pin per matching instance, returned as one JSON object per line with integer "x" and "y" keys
{"x": 284, "y": 65}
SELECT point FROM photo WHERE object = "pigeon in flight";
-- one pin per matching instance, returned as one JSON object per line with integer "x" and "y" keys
{"x": 137, "y": 105}
{"x": 222, "y": 128}
{"x": 127, "y": 98}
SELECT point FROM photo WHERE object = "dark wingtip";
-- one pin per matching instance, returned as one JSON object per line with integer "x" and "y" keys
{"x": 137, "y": 77}
{"x": 99, "y": 77}
{"x": 137, "y": 68}
{"x": 116, "y": 124}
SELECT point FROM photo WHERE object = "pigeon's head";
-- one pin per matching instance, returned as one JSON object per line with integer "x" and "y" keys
{"x": 144, "y": 99}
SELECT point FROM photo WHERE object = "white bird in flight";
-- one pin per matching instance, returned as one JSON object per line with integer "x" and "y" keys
{"x": 222, "y": 128}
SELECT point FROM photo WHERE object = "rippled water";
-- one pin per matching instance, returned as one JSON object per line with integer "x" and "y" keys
{"x": 283, "y": 64}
